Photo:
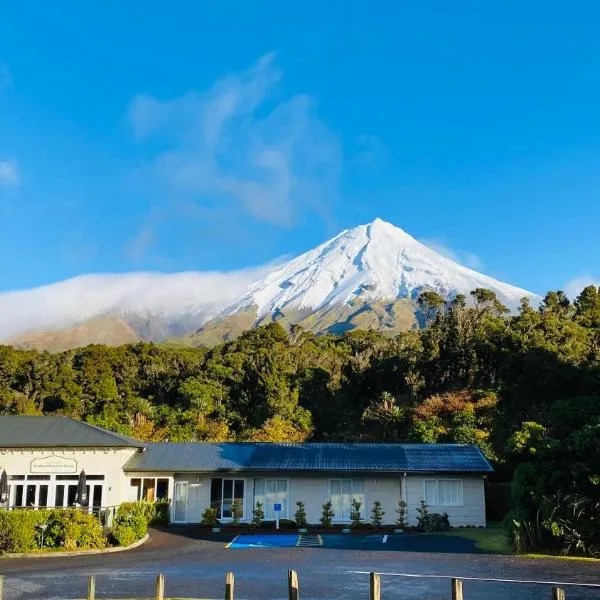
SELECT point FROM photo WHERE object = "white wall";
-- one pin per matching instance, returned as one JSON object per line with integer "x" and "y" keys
{"x": 472, "y": 511}
{"x": 100, "y": 461}
{"x": 314, "y": 491}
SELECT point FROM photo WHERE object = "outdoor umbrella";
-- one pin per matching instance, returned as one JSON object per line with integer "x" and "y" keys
{"x": 82, "y": 495}
{"x": 3, "y": 487}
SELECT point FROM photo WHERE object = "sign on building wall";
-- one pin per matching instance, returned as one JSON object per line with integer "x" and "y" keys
{"x": 53, "y": 464}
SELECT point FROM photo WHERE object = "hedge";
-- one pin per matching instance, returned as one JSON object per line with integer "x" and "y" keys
{"x": 132, "y": 520}
{"x": 70, "y": 529}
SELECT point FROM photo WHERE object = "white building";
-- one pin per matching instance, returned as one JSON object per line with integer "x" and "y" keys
{"x": 44, "y": 456}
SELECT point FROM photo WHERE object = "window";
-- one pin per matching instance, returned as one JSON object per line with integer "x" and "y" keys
{"x": 270, "y": 492}
{"x": 342, "y": 492}
{"x": 223, "y": 493}
{"x": 148, "y": 488}
{"x": 443, "y": 492}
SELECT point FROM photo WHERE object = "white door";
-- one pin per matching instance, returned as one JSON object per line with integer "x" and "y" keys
{"x": 180, "y": 502}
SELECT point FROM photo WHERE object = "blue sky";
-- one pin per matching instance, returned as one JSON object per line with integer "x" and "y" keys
{"x": 221, "y": 135}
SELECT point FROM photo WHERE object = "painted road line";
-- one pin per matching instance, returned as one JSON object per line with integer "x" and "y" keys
{"x": 557, "y": 583}
{"x": 231, "y": 542}
{"x": 384, "y": 540}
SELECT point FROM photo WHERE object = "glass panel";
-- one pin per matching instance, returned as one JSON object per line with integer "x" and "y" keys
{"x": 450, "y": 493}
{"x": 346, "y": 498}
{"x": 97, "y": 497}
{"x": 148, "y": 490}
{"x": 282, "y": 497}
{"x": 17, "y": 478}
{"x": 30, "y": 498}
{"x": 358, "y": 492}
{"x": 59, "y": 499}
{"x": 336, "y": 497}
{"x": 95, "y": 477}
{"x": 216, "y": 494}
{"x": 227, "y": 498}
{"x": 270, "y": 498}
{"x": 43, "y": 499}
{"x": 430, "y": 487}
{"x": 66, "y": 478}
{"x": 259, "y": 492}
{"x": 18, "y": 495}
{"x": 71, "y": 495}
{"x": 180, "y": 502}
{"x": 135, "y": 488}
{"x": 238, "y": 494}
{"x": 162, "y": 489}
{"x": 38, "y": 477}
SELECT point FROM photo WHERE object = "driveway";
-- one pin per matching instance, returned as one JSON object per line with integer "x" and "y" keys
{"x": 195, "y": 568}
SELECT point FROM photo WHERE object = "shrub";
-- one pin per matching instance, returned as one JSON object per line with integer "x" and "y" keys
{"x": 258, "y": 515}
{"x": 123, "y": 535}
{"x": 377, "y": 514}
{"x": 401, "y": 512}
{"x": 431, "y": 522}
{"x": 355, "y": 517}
{"x": 154, "y": 513}
{"x": 236, "y": 512}
{"x": 300, "y": 515}
{"x": 70, "y": 529}
{"x": 422, "y": 515}
{"x": 209, "y": 517}
{"x": 18, "y": 531}
{"x": 327, "y": 514}
{"x": 76, "y": 530}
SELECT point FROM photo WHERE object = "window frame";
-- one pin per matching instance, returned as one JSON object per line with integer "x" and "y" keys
{"x": 282, "y": 514}
{"x": 363, "y": 508}
{"x": 244, "y": 480}
{"x": 437, "y": 481}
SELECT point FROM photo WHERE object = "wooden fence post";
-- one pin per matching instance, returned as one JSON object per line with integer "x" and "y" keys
{"x": 1, "y": 587}
{"x": 160, "y": 587}
{"x": 457, "y": 589}
{"x": 91, "y": 588}
{"x": 293, "y": 586}
{"x": 375, "y": 586}
{"x": 229, "y": 585}
{"x": 557, "y": 594}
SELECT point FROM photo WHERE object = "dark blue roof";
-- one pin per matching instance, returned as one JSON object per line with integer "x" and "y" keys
{"x": 349, "y": 457}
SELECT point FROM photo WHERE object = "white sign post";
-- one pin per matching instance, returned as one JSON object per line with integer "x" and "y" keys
{"x": 277, "y": 509}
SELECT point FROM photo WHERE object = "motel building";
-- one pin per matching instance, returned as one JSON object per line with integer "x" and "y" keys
{"x": 44, "y": 459}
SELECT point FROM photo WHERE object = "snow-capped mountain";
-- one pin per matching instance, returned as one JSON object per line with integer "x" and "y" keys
{"x": 368, "y": 276}
{"x": 371, "y": 262}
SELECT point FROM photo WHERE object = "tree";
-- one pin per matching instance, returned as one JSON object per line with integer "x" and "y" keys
{"x": 355, "y": 516}
{"x": 377, "y": 514}
{"x": 300, "y": 515}
{"x": 327, "y": 514}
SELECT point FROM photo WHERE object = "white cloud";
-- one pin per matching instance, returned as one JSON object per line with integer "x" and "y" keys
{"x": 9, "y": 174}
{"x": 239, "y": 145}
{"x": 467, "y": 259}
{"x": 574, "y": 286}
{"x": 186, "y": 299}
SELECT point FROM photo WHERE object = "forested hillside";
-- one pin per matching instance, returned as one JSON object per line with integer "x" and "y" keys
{"x": 525, "y": 388}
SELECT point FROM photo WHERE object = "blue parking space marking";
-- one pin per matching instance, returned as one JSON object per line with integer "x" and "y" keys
{"x": 264, "y": 541}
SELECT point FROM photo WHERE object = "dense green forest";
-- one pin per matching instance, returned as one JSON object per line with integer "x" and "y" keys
{"x": 524, "y": 387}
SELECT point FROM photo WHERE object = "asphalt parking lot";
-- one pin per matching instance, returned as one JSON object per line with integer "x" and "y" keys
{"x": 195, "y": 568}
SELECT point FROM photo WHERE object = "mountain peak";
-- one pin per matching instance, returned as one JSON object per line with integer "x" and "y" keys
{"x": 372, "y": 262}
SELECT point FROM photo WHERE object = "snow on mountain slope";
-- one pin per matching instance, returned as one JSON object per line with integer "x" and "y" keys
{"x": 369, "y": 264}
{"x": 372, "y": 262}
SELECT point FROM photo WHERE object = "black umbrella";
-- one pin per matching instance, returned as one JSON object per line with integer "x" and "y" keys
{"x": 3, "y": 487}
{"x": 82, "y": 494}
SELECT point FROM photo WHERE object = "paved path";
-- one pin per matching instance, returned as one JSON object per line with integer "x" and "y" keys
{"x": 196, "y": 568}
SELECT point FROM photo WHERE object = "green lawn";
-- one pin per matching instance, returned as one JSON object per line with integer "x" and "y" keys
{"x": 491, "y": 539}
